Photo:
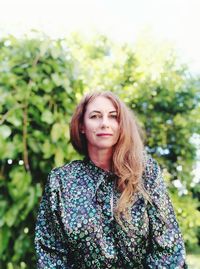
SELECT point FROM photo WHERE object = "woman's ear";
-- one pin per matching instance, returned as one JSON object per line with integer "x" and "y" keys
{"x": 82, "y": 129}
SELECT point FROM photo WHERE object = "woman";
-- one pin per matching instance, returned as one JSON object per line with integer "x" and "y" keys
{"x": 110, "y": 210}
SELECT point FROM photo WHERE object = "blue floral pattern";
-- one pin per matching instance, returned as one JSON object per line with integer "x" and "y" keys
{"x": 76, "y": 226}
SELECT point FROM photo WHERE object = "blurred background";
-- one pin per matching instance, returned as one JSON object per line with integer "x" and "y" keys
{"x": 51, "y": 53}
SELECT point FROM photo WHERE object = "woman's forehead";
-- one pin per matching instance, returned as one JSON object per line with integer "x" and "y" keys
{"x": 100, "y": 103}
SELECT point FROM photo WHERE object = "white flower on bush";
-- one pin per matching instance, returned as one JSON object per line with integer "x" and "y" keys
{"x": 182, "y": 190}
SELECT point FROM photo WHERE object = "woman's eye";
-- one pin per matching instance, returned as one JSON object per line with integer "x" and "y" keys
{"x": 113, "y": 116}
{"x": 94, "y": 116}
{"x": 100, "y": 116}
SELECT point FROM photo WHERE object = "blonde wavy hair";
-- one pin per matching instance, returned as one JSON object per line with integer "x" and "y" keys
{"x": 128, "y": 153}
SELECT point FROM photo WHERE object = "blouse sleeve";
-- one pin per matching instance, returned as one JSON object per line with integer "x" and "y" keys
{"x": 51, "y": 251}
{"x": 166, "y": 247}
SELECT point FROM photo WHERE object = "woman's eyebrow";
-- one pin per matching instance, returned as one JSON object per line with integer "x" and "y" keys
{"x": 97, "y": 111}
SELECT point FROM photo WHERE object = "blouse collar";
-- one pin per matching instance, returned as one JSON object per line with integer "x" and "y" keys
{"x": 94, "y": 169}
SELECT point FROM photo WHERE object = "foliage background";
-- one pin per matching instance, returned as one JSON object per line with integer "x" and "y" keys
{"x": 41, "y": 81}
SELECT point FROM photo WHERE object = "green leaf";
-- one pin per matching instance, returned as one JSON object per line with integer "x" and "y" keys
{"x": 15, "y": 118}
{"x": 30, "y": 202}
{"x": 47, "y": 117}
{"x": 5, "y": 234}
{"x": 20, "y": 182}
{"x": 21, "y": 245}
{"x": 12, "y": 214}
{"x": 3, "y": 206}
{"x": 56, "y": 132}
{"x": 47, "y": 149}
{"x": 56, "y": 79}
{"x": 59, "y": 157}
{"x": 5, "y": 131}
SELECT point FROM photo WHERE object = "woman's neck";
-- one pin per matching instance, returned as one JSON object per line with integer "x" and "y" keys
{"x": 102, "y": 159}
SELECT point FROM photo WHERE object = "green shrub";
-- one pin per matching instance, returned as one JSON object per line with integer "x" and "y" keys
{"x": 41, "y": 80}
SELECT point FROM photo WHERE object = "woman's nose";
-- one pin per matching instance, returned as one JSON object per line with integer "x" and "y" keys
{"x": 105, "y": 122}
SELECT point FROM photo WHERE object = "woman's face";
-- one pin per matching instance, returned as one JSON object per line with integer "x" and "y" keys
{"x": 100, "y": 124}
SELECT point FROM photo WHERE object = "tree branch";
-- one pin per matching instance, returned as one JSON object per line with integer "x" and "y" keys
{"x": 4, "y": 117}
{"x": 25, "y": 150}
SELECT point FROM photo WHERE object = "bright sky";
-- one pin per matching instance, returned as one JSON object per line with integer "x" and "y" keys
{"x": 177, "y": 21}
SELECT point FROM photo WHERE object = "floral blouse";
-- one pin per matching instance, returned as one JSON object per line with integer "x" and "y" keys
{"x": 76, "y": 226}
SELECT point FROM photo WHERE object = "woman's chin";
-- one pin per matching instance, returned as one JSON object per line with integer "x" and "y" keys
{"x": 105, "y": 146}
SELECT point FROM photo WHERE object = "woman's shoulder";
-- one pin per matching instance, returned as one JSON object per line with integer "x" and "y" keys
{"x": 67, "y": 168}
{"x": 71, "y": 166}
{"x": 65, "y": 173}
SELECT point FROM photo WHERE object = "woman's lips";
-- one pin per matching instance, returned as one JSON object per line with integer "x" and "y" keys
{"x": 104, "y": 134}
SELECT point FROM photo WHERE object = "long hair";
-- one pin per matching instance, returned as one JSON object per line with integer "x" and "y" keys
{"x": 128, "y": 152}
